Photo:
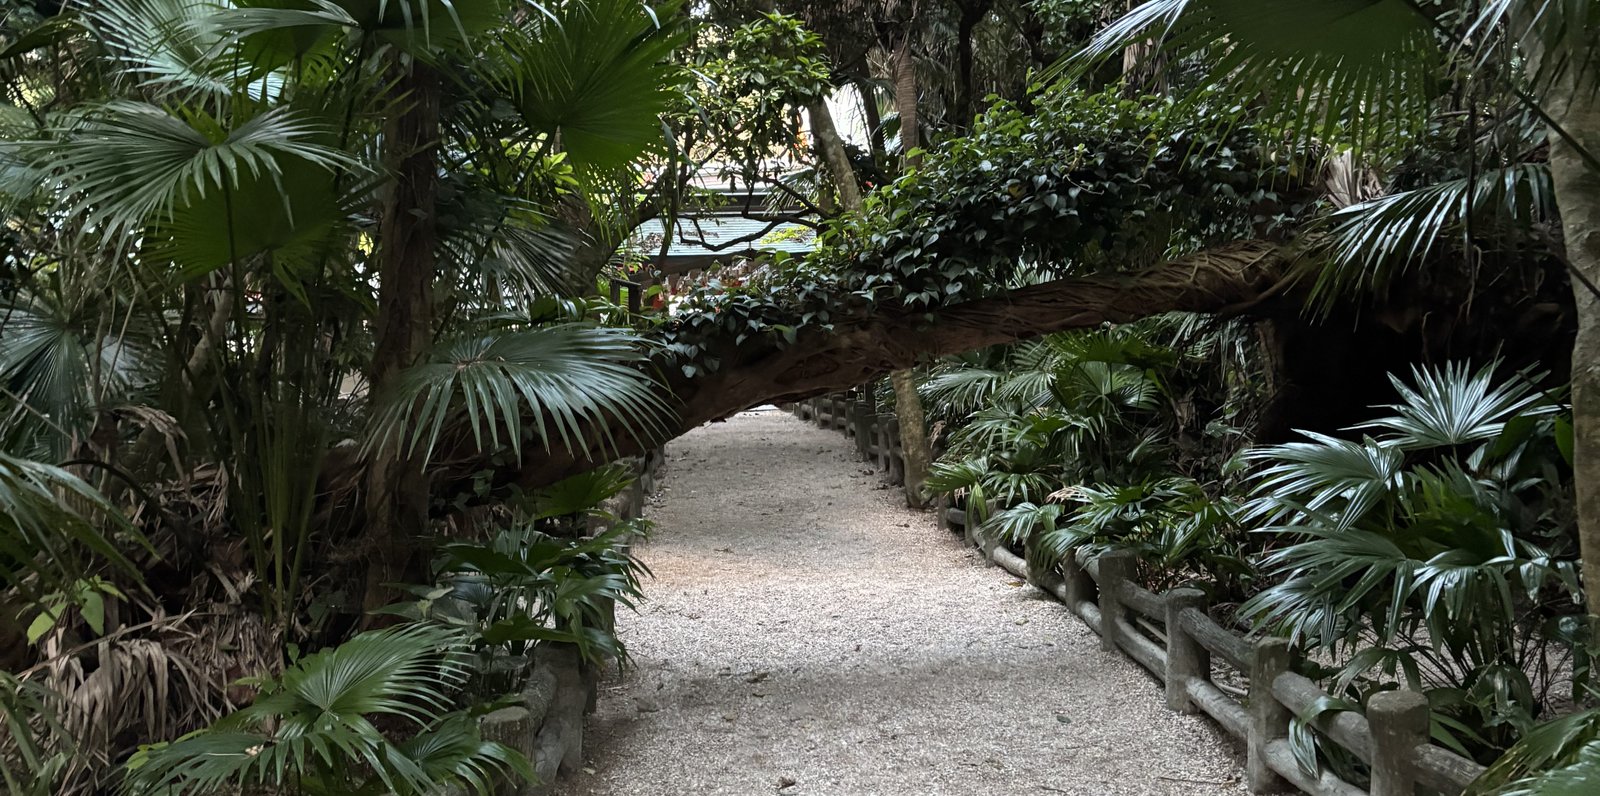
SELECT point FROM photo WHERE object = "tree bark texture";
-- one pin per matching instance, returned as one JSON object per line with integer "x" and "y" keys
{"x": 874, "y": 120}
{"x": 867, "y": 345}
{"x": 908, "y": 412}
{"x": 830, "y": 150}
{"x": 1577, "y": 186}
{"x": 397, "y": 490}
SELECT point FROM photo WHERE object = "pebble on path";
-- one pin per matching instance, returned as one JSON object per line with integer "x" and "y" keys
{"x": 806, "y": 634}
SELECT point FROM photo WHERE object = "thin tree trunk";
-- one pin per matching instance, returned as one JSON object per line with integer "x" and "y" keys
{"x": 971, "y": 15}
{"x": 874, "y": 119}
{"x": 904, "y": 64}
{"x": 907, "y": 403}
{"x": 1577, "y": 188}
{"x": 396, "y": 487}
{"x": 830, "y": 150}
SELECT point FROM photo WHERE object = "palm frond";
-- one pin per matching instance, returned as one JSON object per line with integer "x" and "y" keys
{"x": 568, "y": 380}
{"x": 1450, "y": 406}
{"x": 1019, "y": 523}
{"x": 168, "y": 47}
{"x": 962, "y": 390}
{"x": 1368, "y": 245}
{"x": 314, "y": 720}
{"x": 55, "y": 362}
{"x": 127, "y": 164}
{"x": 510, "y": 243}
{"x": 454, "y": 750}
{"x": 1578, "y": 778}
{"x": 49, "y": 522}
{"x": 1560, "y": 34}
{"x": 1359, "y": 71}
{"x": 1344, "y": 477}
{"x": 1552, "y": 745}
{"x": 593, "y": 77}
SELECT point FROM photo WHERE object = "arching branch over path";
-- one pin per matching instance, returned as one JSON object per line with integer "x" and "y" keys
{"x": 1231, "y": 279}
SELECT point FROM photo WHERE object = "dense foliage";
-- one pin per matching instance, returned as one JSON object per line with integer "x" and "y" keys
{"x": 289, "y": 292}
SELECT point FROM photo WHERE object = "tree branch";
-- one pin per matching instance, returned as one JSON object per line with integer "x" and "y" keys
{"x": 870, "y": 344}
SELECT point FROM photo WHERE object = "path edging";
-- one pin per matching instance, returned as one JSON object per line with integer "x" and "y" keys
{"x": 1173, "y": 638}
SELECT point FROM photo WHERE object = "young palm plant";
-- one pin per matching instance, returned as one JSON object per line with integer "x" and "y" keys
{"x": 325, "y": 727}
{"x": 1437, "y": 550}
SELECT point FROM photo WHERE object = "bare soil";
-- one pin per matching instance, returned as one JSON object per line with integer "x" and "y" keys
{"x": 806, "y": 634}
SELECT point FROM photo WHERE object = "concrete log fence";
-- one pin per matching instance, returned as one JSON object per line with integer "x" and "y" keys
{"x": 1173, "y": 637}
{"x": 857, "y": 415}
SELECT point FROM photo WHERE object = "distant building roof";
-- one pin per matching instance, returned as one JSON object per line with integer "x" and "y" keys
{"x": 699, "y": 241}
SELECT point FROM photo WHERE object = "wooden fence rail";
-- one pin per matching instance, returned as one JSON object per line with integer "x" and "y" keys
{"x": 1172, "y": 636}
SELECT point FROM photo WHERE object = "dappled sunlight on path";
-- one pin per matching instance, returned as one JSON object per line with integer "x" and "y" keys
{"x": 806, "y": 634}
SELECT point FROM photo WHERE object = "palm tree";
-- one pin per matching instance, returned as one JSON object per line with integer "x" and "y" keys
{"x": 257, "y": 239}
{"x": 313, "y": 730}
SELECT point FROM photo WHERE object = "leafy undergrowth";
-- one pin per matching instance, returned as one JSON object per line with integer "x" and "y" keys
{"x": 1432, "y": 547}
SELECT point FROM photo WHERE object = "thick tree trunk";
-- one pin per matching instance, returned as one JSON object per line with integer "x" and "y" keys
{"x": 593, "y": 247}
{"x": 396, "y": 489}
{"x": 1577, "y": 187}
{"x": 866, "y": 346}
{"x": 863, "y": 345}
{"x": 907, "y": 403}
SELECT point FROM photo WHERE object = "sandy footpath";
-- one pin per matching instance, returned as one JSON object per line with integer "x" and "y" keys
{"x": 805, "y": 634}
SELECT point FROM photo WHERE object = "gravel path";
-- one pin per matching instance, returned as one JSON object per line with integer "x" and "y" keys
{"x": 805, "y": 634}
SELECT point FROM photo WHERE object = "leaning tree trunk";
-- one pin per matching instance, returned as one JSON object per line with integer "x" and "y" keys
{"x": 830, "y": 150}
{"x": 907, "y": 404}
{"x": 863, "y": 343}
{"x": 1577, "y": 187}
{"x": 396, "y": 488}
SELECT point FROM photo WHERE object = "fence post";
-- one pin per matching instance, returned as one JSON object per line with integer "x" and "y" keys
{"x": 861, "y": 418}
{"x": 885, "y": 426}
{"x": 1186, "y": 658}
{"x": 1079, "y": 586}
{"x": 1044, "y": 578}
{"x": 897, "y": 465}
{"x": 1116, "y": 568}
{"x": 1399, "y": 721}
{"x": 1269, "y": 719}
{"x": 987, "y": 543}
{"x": 969, "y": 525}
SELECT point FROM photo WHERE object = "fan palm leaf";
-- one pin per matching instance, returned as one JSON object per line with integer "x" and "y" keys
{"x": 592, "y": 77}
{"x": 1450, "y": 406}
{"x": 315, "y": 724}
{"x": 49, "y": 521}
{"x": 1368, "y": 245}
{"x": 569, "y": 380}
{"x": 54, "y": 360}
{"x": 127, "y": 164}
{"x": 1550, "y": 746}
{"x": 1344, "y": 477}
{"x": 1348, "y": 70}
{"x": 454, "y": 750}
{"x": 167, "y": 47}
